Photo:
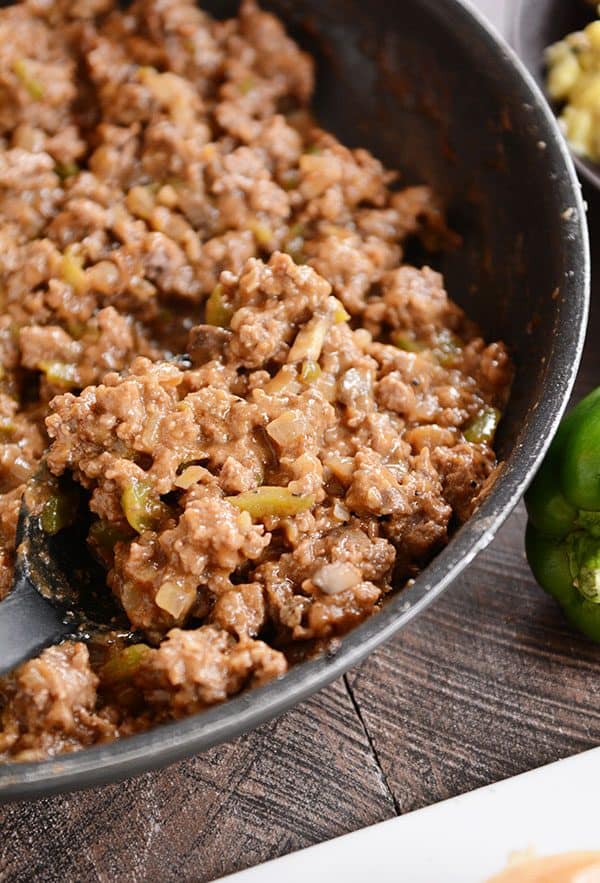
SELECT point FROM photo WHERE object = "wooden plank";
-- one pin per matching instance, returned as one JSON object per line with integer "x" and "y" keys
{"x": 487, "y": 683}
{"x": 306, "y": 778}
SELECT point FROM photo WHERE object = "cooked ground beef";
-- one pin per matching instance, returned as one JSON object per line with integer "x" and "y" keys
{"x": 164, "y": 190}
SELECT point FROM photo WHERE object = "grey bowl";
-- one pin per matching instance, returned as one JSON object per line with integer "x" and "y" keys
{"x": 535, "y": 26}
{"x": 428, "y": 87}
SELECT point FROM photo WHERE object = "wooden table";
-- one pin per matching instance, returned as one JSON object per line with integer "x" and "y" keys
{"x": 487, "y": 683}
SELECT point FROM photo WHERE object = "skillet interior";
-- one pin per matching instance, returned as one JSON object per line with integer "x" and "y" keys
{"x": 436, "y": 106}
{"x": 432, "y": 92}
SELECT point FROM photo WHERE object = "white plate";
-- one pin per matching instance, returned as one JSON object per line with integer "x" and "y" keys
{"x": 463, "y": 840}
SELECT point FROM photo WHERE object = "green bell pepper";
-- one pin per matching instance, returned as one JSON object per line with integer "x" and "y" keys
{"x": 563, "y": 504}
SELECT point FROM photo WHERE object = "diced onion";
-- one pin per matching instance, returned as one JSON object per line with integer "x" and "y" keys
{"x": 284, "y": 381}
{"x": 175, "y": 599}
{"x": 287, "y": 429}
{"x": 340, "y": 512}
{"x": 309, "y": 341}
{"x": 191, "y": 475}
{"x": 341, "y": 467}
{"x": 337, "y": 577}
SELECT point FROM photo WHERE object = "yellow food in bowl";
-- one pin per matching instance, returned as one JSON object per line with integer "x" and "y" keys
{"x": 573, "y": 79}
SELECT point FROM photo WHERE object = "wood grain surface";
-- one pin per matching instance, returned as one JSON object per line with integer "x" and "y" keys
{"x": 487, "y": 683}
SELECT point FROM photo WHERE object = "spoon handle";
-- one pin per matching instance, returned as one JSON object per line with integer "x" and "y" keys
{"x": 28, "y": 623}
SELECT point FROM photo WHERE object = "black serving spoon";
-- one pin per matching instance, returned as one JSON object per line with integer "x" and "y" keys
{"x": 59, "y": 590}
{"x": 536, "y": 25}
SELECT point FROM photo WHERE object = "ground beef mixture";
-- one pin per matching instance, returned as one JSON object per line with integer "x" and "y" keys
{"x": 164, "y": 191}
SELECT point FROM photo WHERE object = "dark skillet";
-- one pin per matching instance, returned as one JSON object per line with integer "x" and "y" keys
{"x": 537, "y": 25}
{"x": 432, "y": 91}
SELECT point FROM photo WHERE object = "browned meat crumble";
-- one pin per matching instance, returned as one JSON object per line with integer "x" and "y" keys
{"x": 163, "y": 190}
